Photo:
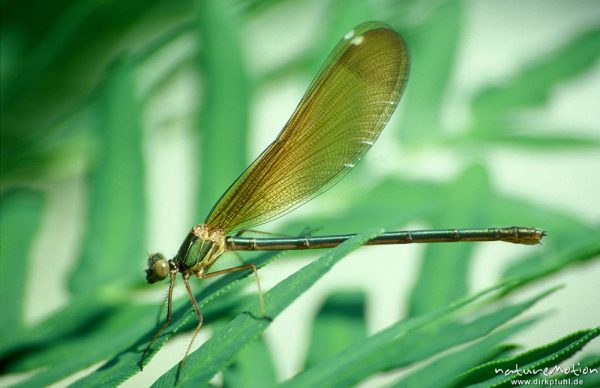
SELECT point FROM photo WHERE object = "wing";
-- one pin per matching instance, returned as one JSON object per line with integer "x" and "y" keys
{"x": 338, "y": 120}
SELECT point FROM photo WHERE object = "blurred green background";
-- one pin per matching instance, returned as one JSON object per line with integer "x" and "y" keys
{"x": 123, "y": 123}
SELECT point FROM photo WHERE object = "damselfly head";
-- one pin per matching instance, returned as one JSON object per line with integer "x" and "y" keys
{"x": 158, "y": 268}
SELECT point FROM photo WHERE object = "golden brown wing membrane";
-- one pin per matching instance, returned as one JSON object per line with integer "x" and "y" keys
{"x": 337, "y": 121}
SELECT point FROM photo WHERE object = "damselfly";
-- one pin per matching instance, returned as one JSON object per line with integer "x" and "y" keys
{"x": 337, "y": 121}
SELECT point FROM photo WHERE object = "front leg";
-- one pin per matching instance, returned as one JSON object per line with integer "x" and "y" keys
{"x": 173, "y": 277}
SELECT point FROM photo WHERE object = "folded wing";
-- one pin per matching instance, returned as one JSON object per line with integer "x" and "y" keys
{"x": 338, "y": 120}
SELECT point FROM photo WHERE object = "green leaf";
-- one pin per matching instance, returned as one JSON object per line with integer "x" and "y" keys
{"x": 562, "y": 228}
{"x": 20, "y": 217}
{"x": 405, "y": 343}
{"x": 111, "y": 332}
{"x": 339, "y": 323}
{"x": 66, "y": 323}
{"x": 592, "y": 378}
{"x": 341, "y": 17}
{"x": 223, "y": 123}
{"x": 500, "y": 373}
{"x": 377, "y": 205}
{"x": 57, "y": 58}
{"x": 253, "y": 367}
{"x": 220, "y": 350}
{"x": 255, "y": 7}
{"x": 529, "y": 139}
{"x": 537, "y": 267}
{"x": 114, "y": 241}
{"x": 446, "y": 368}
{"x": 585, "y": 370}
{"x": 433, "y": 48}
{"x": 533, "y": 85}
{"x": 444, "y": 272}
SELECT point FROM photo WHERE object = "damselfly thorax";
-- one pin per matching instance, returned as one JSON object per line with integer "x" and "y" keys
{"x": 198, "y": 252}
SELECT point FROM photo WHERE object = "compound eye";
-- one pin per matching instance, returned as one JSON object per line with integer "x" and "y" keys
{"x": 158, "y": 268}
